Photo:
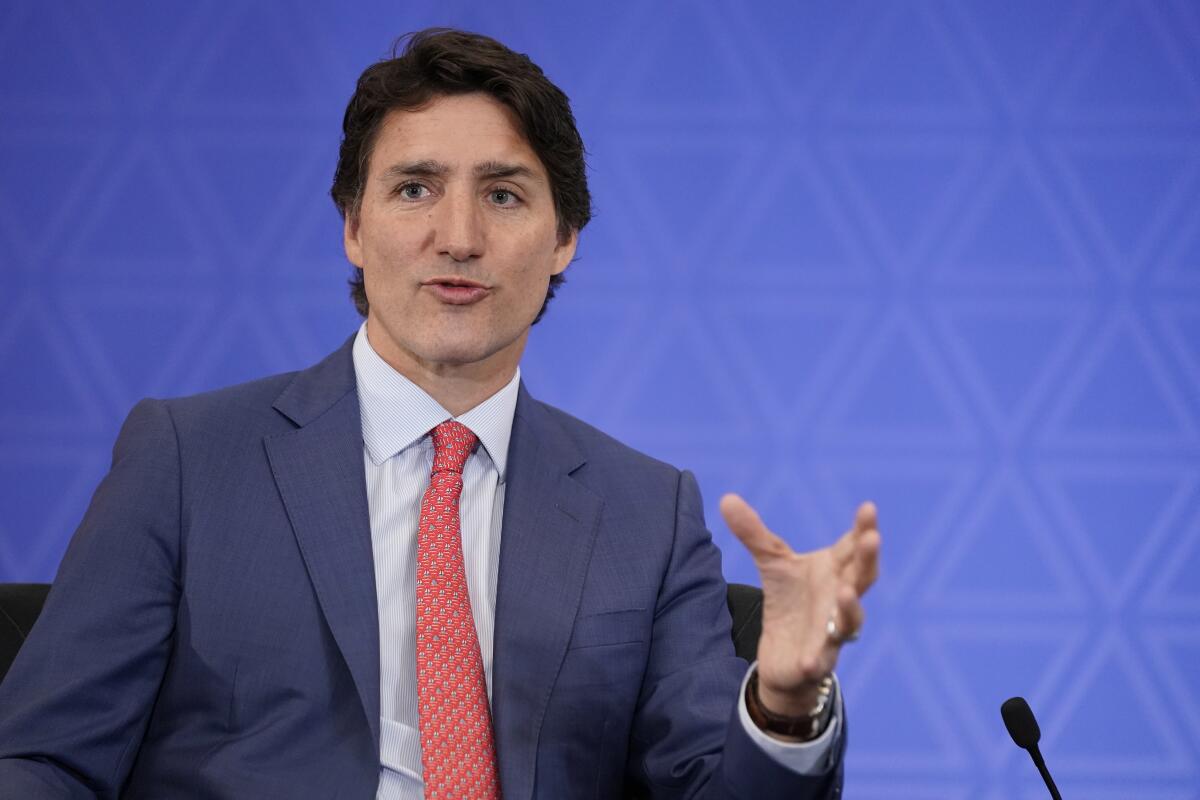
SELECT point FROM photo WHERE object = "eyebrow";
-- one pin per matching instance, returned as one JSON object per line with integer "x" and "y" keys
{"x": 425, "y": 168}
{"x": 436, "y": 169}
{"x": 499, "y": 169}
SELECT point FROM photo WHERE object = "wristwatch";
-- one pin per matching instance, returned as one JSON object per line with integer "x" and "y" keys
{"x": 806, "y": 727}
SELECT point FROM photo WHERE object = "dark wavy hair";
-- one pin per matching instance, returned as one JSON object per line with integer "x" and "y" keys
{"x": 438, "y": 62}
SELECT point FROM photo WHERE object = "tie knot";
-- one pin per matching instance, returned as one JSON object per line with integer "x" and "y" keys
{"x": 452, "y": 443}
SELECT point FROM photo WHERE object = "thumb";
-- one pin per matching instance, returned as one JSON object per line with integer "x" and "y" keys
{"x": 748, "y": 527}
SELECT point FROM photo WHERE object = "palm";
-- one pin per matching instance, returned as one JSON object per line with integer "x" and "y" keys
{"x": 801, "y": 591}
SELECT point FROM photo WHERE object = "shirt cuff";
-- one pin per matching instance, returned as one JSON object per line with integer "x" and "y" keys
{"x": 805, "y": 758}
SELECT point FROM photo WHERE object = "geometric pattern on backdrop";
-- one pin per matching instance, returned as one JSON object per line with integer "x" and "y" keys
{"x": 947, "y": 254}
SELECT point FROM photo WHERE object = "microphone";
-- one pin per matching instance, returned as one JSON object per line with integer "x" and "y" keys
{"x": 1024, "y": 730}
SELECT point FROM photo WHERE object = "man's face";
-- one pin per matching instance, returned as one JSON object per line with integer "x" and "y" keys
{"x": 457, "y": 238}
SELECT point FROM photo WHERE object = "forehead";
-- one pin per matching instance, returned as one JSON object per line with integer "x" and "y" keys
{"x": 458, "y": 130}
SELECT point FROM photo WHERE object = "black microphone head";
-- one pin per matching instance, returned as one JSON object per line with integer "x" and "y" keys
{"x": 1022, "y": 727}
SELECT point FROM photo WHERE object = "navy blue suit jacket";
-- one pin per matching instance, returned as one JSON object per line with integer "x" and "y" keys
{"x": 212, "y": 631}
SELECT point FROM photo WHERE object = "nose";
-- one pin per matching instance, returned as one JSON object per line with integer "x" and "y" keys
{"x": 458, "y": 226}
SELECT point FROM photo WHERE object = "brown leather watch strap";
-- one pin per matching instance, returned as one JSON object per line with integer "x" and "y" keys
{"x": 806, "y": 727}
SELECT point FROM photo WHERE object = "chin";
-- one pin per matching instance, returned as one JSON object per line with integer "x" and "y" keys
{"x": 459, "y": 353}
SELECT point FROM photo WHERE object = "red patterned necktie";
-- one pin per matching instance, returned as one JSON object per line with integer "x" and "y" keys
{"x": 458, "y": 751}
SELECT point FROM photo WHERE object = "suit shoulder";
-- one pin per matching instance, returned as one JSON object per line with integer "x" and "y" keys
{"x": 606, "y": 449}
{"x": 240, "y": 400}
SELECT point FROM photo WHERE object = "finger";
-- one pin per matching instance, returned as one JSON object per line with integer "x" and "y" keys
{"x": 844, "y": 549}
{"x": 866, "y": 517}
{"x": 748, "y": 527}
{"x": 866, "y": 570}
{"x": 850, "y": 614}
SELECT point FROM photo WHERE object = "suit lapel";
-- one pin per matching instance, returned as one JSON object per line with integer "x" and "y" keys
{"x": 550, "y": 523}
{"x": 319, "y": 471}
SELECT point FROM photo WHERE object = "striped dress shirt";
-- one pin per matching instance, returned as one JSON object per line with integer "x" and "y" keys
{"x": 397, "y": 416}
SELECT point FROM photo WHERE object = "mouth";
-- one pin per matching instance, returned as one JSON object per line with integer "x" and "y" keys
{"x": 455, "y": 290}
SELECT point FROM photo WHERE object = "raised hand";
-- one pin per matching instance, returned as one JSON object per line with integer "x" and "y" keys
{"x": 811, "y": 602}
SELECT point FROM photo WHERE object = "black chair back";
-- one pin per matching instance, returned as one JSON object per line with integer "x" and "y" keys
{"x": 20, "y": 604}
{"x": 745, "y": 606}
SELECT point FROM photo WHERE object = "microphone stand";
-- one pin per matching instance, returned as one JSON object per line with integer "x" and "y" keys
{"x": 1036, "y": 755}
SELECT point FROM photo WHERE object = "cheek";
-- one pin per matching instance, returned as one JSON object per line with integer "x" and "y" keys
{"x": 538, "y": 261}
{"x": 388, "y": 235}
{"x": 387, "y": 243}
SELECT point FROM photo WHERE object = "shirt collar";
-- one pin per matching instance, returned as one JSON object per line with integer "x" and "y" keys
{"x": 396, "y": 413}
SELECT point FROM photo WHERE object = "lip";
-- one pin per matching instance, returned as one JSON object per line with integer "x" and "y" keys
{"x": 456, "y": 290}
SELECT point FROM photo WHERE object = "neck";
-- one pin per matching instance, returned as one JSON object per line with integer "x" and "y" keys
{"x": 457, "y": 387}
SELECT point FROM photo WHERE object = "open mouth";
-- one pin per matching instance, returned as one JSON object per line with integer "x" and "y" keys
{"x": 455, "y": 290}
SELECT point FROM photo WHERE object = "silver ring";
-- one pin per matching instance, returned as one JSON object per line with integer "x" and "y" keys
{"x": 831, "y": 626}
{"x": 832, "y": 631}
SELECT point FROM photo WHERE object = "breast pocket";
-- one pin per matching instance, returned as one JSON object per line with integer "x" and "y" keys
{"x": 607, "y": 649}
{"x": 610, "y": 628}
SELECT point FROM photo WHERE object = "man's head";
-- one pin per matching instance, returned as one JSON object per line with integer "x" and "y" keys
{"x": 439, "y": 63}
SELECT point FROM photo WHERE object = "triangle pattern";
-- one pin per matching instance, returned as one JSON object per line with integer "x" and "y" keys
{"x": 1121, "y": 517}
{"x": 165, "y": 35}
{"x": 787, "y": 349}
{"x": 715, "y": 83}
{"x": 1126, "y": 192}
{"x": 905, "y": 189}
{"x": 32, "y": 511}
{"x": 253, "y": 185}
{"x": 662, "y": 174}
{"x": 58, "y": 74}
{"x": 1177, "y": 655}
{"x": 140, "y": 224}
{"x": 556, "y": 42}
{"x": 140, "y": 338}
{"x": 42, "y": 386}
{"x": 232, "y": 71}
{"x": 898, "y": 394}
{"x": 794, "y": 233}
{"x": 1182, "y": 324}
{"x": 802, "y": 49}
{"x": 312, "y": 237}
{"x": 897, "y": 693}
{"x": 611, "y": 249}
{"x": 1120, "y": 396}
{"x": 1003, "y": 556}
{"x": 1088, "y": 739}
{"x": 890, "y": 787}
{"x": 681, "y": 388}
{"x": 909, "y": 69}
{"x": 40, "y": 177}
{"x": 1178, "y": 590}
{"x": 1018, "y": 235}
{"x": 989, "y": 663}
{"x": 1181, "y": 264}
{"x": 1008, "y": 351}
{"x": 1135, "y": 67}
{"x": 917, "y": 504}
{"x": 242, "y": 347}
{"x": 784, "y": 495}
{"x": 1018, "y": 50}
{"x": 576, "y": 371}
{"x": 317, "y": 322}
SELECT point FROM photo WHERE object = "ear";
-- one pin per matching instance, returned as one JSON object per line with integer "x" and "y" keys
{"x": 350, "y": 240}
{"x": 564, "y": 252}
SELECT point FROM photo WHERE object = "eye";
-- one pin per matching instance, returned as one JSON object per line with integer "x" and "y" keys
{"x": 412, "y": 191}
{"x": 503, "y": 197}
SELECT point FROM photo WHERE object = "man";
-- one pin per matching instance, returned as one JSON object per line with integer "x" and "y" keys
{"x": 396, "y": 574}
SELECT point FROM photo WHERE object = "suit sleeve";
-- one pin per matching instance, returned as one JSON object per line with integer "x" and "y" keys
{"x": 688, "y": 740}
{"x": 74, "y": 707}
